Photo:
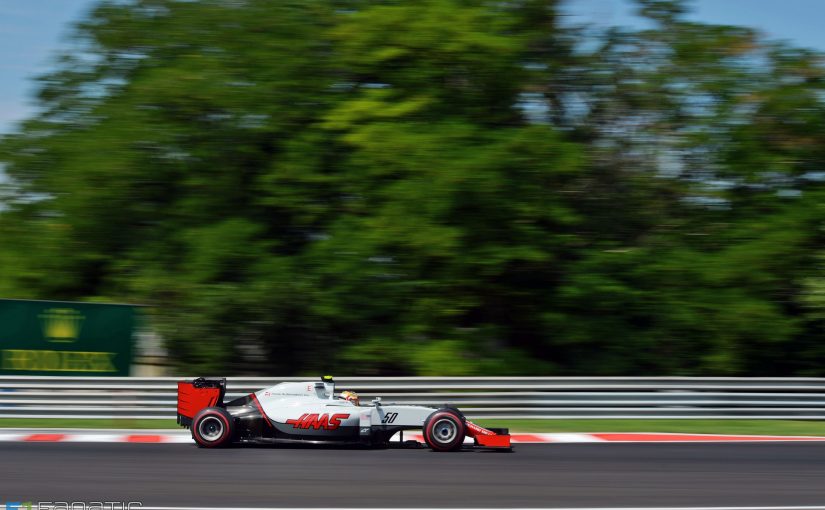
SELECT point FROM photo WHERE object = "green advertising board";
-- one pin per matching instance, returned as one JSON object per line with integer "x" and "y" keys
{"x": 65, "y": 338}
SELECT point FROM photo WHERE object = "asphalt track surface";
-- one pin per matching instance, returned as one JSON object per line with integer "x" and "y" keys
{"x": 539, "y": 475}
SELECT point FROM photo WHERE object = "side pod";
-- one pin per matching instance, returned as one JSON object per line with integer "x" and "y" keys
{"x": 198, "y": 394}
{"x": 489, "y": 438}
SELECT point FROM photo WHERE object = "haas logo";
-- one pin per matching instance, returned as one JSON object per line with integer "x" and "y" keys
{"x": 315, "y": 421}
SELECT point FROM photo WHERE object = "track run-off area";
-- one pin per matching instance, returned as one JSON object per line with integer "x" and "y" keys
{"x": 565, "y": 475}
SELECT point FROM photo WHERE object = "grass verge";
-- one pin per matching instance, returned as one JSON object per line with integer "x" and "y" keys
{"x": 760, "y": 427}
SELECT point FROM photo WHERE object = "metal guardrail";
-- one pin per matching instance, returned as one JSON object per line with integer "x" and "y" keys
{"x": 478, "y": 397}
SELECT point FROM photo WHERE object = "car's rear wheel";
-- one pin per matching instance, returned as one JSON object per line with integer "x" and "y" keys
{"x": 444, "y": 430}
{"x": 212, "y": 428}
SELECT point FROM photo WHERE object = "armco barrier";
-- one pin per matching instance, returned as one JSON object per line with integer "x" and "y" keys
{"x": 478, "y": 397}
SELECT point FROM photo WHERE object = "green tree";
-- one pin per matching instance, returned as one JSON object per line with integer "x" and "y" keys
{"x": 438, "y": 187}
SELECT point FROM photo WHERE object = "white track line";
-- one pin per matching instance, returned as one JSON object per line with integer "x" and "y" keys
{"x": 568, "y": 437}
{"x": 91, "y": 438}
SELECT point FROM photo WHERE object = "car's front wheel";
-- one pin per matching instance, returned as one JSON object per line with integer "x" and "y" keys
{"x": 444, "y": 430}
{"x": 212, "y": 427}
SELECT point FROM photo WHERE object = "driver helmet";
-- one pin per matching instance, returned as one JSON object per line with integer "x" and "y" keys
{"x": 350, "y": 396}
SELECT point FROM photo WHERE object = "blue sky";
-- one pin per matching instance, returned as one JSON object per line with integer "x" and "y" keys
{"x": 32, "y": 31}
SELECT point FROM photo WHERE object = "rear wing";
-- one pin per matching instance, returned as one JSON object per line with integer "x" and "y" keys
{"x": 198, "y": 394}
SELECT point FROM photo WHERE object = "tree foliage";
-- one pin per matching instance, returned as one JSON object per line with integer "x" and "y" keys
{"x": 439, "y": 188}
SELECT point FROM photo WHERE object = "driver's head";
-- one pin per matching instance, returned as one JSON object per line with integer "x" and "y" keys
{"x": 350, "y": 396}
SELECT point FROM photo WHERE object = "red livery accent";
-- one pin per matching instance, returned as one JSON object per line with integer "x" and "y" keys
{"x": 296, "y": 423}
{"x": 315, "y": 421}
{"x": 191, "y": 399}
{"x": 487, "y": 438}
{"x": 476, "y": 431}
{"x": 261, "y": 409}
{"x": 494, "y": 441}
{"x": 335, "y": 420}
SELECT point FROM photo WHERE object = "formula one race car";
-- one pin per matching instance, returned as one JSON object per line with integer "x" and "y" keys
{"x": 310, "y": 412}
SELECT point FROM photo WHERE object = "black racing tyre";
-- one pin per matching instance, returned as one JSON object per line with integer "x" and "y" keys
{"x": 444, "y": 430}
{"x": 212, "y": 428}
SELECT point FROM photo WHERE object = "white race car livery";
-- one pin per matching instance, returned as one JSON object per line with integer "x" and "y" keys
{"x": 311, "y": 412}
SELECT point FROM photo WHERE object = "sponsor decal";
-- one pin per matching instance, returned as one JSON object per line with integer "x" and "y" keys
{"x": 476, "y": 430}
{"x": 40, "y": 337}
{"x": 316, "y": 421}
{"x": 61, "y": 324}
{"x": 57, "y": 361}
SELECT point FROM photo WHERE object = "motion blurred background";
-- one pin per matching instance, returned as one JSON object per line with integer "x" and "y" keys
{"x": 437, "y": 187}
